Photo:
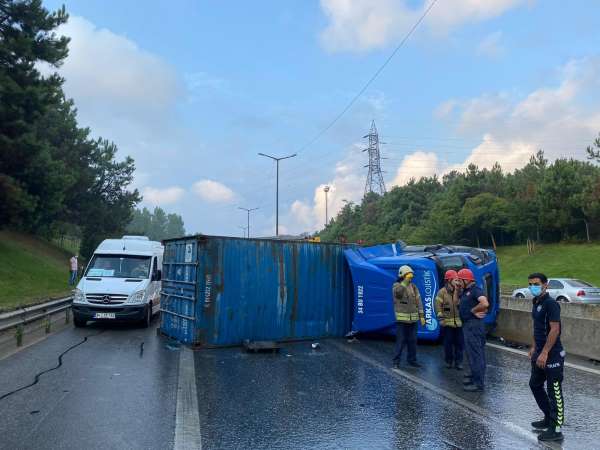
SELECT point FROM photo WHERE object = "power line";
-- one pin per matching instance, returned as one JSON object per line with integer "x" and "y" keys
{"x": 368, "y": 83}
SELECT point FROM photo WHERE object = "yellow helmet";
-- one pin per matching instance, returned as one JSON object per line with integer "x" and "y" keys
{"x": 405, "y": 270}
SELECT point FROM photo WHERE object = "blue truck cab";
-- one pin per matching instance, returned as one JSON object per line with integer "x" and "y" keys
{"x": 374, "y": 270}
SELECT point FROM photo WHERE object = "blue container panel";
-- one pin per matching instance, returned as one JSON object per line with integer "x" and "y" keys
{"x": 178, "y": 294}
{"x": 260, "y": 290}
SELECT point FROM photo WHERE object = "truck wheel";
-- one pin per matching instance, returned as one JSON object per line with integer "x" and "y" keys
{"x": 79, "y": 323}
{"x": 148, "y": 319}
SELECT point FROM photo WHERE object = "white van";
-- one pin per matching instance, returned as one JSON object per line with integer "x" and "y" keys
{"x": 121, "y": 282}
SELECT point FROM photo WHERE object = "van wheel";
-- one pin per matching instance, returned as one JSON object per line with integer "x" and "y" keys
{"x": 79, "y": 323}
{"x": 148, "y": 319}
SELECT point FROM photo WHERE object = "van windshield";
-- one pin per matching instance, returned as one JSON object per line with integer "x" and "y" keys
{"x": 119, "y": 266}
{"x": 454, "y": 262}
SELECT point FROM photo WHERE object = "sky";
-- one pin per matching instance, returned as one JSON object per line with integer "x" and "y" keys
{"x": 194, "y": 90}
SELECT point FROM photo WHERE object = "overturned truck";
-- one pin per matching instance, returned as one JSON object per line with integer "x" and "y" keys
{"x": 374, "y": 270}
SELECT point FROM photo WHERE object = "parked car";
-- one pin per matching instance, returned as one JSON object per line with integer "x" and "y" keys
{"x": 566, "y": 290}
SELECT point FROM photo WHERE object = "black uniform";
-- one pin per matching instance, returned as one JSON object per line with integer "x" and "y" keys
{"x": 545, "y": 310}
{"x": 474, "y": 334}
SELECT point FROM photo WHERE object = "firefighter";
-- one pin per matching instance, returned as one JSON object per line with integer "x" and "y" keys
{"x": 473, "y": 307}
{"x": 408, "y": 310}
{"x": 547, "y": 359}
{"x": 446, "y": 309}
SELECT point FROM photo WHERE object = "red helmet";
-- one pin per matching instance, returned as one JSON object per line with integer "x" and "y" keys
{"x": 466, "y": 274}
{"x": 450, "y": 275}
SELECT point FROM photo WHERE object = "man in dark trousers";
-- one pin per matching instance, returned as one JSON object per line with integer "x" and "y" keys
{"x": 547, "y": 360}
{"x": 408, "y": 310}
{"x": 446, "y": 310}
{"x": 473, "y": 308}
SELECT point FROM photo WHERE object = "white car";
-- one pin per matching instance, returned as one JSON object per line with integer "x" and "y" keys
{"x": 566, "y": 290}
{"x": 121, "y": 283}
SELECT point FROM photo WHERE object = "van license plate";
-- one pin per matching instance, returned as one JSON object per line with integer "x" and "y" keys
{"x": 99, "y": 315}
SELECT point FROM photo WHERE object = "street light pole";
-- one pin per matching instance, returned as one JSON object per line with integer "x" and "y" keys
{"x": 326, "y": 190}
{"x": 277, "y": 188}
{"x": 243, "y": 230}
{"x": 248, "y": 210}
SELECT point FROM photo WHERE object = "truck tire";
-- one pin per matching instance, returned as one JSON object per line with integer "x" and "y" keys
{"x": 148, "y": 316}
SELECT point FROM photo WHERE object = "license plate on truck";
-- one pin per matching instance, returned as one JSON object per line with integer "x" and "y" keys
{"x": 102, "y": 315}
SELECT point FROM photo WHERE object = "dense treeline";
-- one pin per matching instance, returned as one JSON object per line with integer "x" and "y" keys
{"x": 157, "y": 225}
{"x": 54, "y": 178}
{"x": 542, "y": 201}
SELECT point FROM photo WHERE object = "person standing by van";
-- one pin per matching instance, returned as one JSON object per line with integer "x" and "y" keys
{"x": 408, "y": 310}
{"x": 74, "y": 270}
{"x": 473, "y": 307}
{"x": 446, "y": 310}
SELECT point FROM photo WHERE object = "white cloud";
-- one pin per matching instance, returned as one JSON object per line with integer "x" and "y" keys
{"x": 213, "y": 191}
{"x": 359, "y": 25}
{"x": 445, "y": 109}
{"x": 491, "y": 46}
{"x": 108, "y": 73}
{"x": 157, "y": 197}
{"x": 417, "y": 165}
{"x": 347, "y": 185}
{"x": 559, "y": 119}
{"x": 483, "y": 111}
{"x": 362, "y": 24}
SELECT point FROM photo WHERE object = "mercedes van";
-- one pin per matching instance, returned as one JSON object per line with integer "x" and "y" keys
{"x": 121, "y": 282}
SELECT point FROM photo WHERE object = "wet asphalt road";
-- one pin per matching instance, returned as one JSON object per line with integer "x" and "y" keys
{"x": 345, "y": 396}
{"x": 108, "y": 393}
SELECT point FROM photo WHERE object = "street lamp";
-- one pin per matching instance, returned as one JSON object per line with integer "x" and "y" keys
{"x": 248, "y": 210}
{"x": 243, "y": 230}
{"x": 326, "y": 190}
{"x": 277, "y": 188}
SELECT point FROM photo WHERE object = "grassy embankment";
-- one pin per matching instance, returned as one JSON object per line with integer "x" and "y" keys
{"x": 580, "y": 261}
{"x": 31, "y": 270}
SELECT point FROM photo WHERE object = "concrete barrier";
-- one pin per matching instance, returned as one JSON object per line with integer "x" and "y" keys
{"x": 580, "y": 326}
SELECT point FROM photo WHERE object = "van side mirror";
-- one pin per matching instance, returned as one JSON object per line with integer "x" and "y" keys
{"x": 157, "y": 276}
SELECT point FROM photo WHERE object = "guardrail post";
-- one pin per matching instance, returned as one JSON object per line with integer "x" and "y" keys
{"x": 67, "y": 315}
{"x": 47, "y": 324}
{"x": 19, "y": 335}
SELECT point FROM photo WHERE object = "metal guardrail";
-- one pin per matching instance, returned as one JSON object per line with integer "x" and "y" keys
{"x": 24, "y": 316}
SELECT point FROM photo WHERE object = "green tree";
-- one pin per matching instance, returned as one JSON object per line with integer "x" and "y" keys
{"x": 157, "y": 225}
{"x": 30, "y": 179}
{"x": 107, "y": 206}
{"x": 485, "y": 213}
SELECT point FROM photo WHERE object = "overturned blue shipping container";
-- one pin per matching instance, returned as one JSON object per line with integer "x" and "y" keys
{"x": 220, "y": 291}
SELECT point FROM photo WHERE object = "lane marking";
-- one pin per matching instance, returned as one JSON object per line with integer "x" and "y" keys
{"x": 429, "y": 388}
{"x": 524, "y": 353}
{"x": 187, "y": 421}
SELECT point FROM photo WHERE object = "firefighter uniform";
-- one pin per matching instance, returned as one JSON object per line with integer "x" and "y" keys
{"x": 446, "y": 309}
{"x": 545, "y": 310}
{"x": 474, "y": 334}
{"x": 408, "y": 310}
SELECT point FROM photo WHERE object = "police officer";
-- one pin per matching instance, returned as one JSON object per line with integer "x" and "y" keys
{"x": 547, "y": 359}
{"x": 408, "y": 310}
{"x": 473, "y": 307}
{"x": 446, "y": 309}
